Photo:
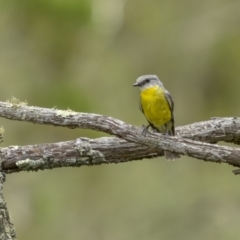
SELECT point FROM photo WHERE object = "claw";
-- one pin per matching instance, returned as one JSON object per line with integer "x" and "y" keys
{"x": 145, "y": 130}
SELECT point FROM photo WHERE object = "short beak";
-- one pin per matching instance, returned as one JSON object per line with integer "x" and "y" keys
{"x": 135, "y": 84}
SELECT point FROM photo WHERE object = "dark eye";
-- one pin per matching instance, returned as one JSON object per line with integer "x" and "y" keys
{"x": 147, "y": 80}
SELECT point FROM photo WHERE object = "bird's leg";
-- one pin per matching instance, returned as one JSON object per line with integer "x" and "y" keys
{"x": 145, "y": 130}
{"x": 166, "y": 134}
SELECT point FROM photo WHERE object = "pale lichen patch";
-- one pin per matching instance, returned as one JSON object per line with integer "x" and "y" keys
{"x": 14, "y": 147}
{"x": 29, "y": 164}
{"x": 1, "y": 134}
{"x": 88, "y": 154}
{"x": 14, "y": 102}
{"x": 66, "y": 113}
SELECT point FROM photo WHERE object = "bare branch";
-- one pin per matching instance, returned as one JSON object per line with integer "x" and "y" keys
{"x": 213, "y": 131}
{"x": 107, "y": 150}
{"x": 7, "y": 230}
{"x": 81, "y": 152}
{"x": 217, "y": 129}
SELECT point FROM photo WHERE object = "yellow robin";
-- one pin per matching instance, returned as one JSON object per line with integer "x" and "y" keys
{"x": 157, "y": 105}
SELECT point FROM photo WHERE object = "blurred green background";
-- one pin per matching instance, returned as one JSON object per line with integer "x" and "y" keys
{"x": 85, "y": 55}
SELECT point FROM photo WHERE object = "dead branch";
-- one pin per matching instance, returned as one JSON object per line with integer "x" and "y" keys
{"x": 212, "y": 131}
{"x": 193, "y": 140}
{"x": 7, "y": 230}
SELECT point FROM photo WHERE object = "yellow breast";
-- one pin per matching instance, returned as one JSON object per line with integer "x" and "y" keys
{"x": 155, "y": 106}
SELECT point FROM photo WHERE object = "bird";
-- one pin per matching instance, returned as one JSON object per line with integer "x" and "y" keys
{"x": 157, "y": 105}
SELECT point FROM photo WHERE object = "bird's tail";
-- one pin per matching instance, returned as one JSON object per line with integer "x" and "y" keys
{"x": 170, "y": 155}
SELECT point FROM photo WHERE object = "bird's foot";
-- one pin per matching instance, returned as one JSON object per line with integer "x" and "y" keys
{"x": 145, "y": 130}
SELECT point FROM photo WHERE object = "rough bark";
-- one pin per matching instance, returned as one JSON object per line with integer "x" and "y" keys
{"x": 194, "y": 140}
{"x": 7, "y": 231}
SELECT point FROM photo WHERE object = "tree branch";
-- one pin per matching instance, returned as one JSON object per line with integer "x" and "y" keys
{"x": 81, "y": 152}
{"x": 217, "y": 129}
{"x": 7, "y": 230}
{"x": 131, "y": 146}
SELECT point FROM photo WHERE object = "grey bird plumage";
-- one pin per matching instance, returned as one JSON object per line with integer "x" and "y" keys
{"x": 147, "y": 81}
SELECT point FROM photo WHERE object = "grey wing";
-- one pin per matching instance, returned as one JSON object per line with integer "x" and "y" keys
{"x": 169, "y": 99}
{"x": 171, "y": 105}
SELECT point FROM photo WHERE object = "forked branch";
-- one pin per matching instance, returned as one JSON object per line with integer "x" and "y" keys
{"x": 194, "y": 140}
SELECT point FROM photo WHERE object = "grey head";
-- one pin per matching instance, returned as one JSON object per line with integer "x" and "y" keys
{"x": 147, "y": 81}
